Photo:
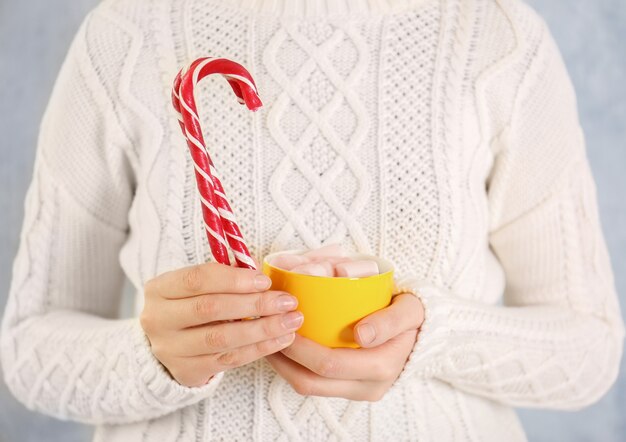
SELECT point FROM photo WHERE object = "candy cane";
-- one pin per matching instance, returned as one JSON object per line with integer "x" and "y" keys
{"x": 219, "y": 219}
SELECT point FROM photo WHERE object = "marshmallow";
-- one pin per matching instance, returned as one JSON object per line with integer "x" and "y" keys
{"x": 331, "y": 259}
{"x": 315, "y": 269}
{"x": 288, "y": 261}
{"x": 330, "y": 250}
{"x": 356, "y": 269}
{"x": 328, "y": 261}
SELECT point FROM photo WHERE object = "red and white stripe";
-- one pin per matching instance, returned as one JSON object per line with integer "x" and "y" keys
{"x": 220, "y": 224}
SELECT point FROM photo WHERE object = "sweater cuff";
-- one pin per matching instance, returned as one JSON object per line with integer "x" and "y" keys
{"x": 158, "y": 383}
{"x": 433, "y": 333}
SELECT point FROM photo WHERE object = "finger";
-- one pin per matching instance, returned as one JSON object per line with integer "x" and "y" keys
{"x": 208, "y": 278}
{"x": 202, "y": 309}
{"x": 308, "y": 383}
{"x": 195, "y": 371}
{"x": 368, "y": 364}
{"x": 216, "y": 338}
{"x": 405, "y": 313}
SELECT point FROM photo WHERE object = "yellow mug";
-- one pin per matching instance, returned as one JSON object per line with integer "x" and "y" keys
{"x": 332, "y": 306}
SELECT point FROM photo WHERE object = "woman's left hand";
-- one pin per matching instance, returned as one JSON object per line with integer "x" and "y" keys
{"x": 360, "y": 374}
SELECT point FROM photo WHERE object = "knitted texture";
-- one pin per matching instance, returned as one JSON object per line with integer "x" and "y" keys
{"x": 440, "y": 134}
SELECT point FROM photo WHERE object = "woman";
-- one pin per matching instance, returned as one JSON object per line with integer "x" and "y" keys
{"x": 442, "y": 135}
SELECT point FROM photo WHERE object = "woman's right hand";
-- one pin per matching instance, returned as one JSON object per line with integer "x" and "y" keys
{"x": 186, "y": 313}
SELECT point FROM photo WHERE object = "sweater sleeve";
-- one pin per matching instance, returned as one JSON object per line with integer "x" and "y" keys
{"x": 556, "y": 340}
{"x": 64, "y": 350}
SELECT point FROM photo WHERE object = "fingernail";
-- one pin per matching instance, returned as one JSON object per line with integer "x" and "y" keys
{"x": 366, "y": 333}
{"x": 262, "y": 282}
{"x": 286, "y": 303}
{"x": 293, "y": 319}
{"x": 285, "y": 339}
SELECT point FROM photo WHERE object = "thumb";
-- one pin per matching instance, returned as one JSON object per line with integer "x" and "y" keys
{"x": 406, "y": 312}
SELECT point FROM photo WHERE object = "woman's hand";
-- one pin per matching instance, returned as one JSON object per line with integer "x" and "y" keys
{"x": 364, "y": 374}
{"x": 186, "y": 318}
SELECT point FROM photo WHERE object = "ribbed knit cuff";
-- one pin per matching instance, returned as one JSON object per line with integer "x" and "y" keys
{"x": 158, "y": 382}
{"x": 433, "y": 334}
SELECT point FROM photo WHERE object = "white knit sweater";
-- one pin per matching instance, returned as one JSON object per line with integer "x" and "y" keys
{"x": 440, "y": 134}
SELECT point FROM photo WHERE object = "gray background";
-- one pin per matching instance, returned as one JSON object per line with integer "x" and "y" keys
{"x": 35, "y": 34}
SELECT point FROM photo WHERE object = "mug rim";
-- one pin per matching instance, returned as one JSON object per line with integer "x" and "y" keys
{"x": 382, "y": 262}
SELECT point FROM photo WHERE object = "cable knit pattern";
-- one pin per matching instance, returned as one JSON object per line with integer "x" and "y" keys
{"x": 440, "y": 134}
